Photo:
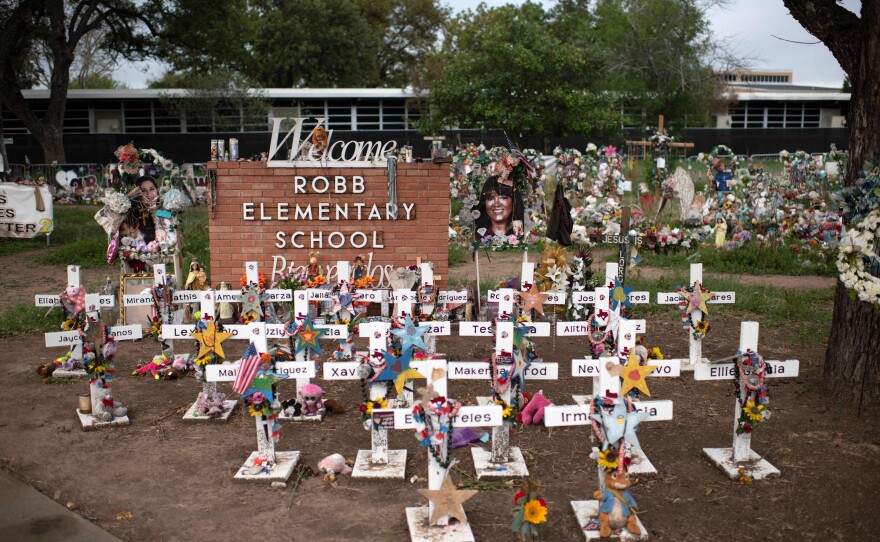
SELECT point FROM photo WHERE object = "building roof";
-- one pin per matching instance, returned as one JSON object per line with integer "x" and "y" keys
{"x": 278, "y": 93}
{"x": 744, "y": 92}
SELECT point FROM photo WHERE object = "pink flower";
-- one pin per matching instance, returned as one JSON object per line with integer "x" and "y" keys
{"x": 610, "y": 151}
{"x": 512, "y": 240}
{"x": 257, "y": 398}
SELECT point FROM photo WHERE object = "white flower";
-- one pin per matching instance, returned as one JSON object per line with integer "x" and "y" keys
{"x": 591, "y": 147}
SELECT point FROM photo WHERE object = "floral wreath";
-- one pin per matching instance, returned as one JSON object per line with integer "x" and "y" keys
{"x": 857, "y": 251}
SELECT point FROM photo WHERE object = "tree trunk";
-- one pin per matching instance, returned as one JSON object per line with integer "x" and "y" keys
{"x": 52, "y": 144}
{"x": 864, "y": 111}
{"x": 851, "y": 361}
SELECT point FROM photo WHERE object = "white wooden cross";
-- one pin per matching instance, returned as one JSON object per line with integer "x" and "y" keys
{"x": 69, "y": 339}
{"x": 145, "y": 299}
{"x": 118, "y": 333}
{"x": 695, "y": 348}
{"x": 587, "y": 512}
{"x": 659, "y": 410}
{"x": 418, "y": 518}
{"x": 503, "y": 460}
{"x": 265, "y": 464}
{"x": 740, "y": 460}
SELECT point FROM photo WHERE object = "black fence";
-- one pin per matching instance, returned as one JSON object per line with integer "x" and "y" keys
{"x": 196, "y": 147}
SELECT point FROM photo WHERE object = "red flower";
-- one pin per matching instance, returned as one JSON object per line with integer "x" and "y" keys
{"x": 519, "y": 495}
{"x": 543, "y": 502}
{"x": 747, "y": 428}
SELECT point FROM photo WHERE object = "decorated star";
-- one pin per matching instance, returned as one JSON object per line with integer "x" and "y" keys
{"x": 520, "y": 366}
{"x": 210, "y": 342}
{"x": 307, "y": 337}
{"x": 411, "y": 335}
{"x": 617, "y": 423}
{"x": 533, "y": 299}
{"x": 634, "y": 375}
{"x": 620, "y": 295}
{"x": 696, "y": 300}
{"x": 250, "y": 300}
{"x": 448, "y": 501}
{"x": 398, "y": 370}
{"x": 263, "y": 382}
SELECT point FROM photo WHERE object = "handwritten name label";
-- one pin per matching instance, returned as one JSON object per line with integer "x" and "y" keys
{"x": 341, "y": 370}
{"x": 452, "y": 296}
{"x": 296, "y": 369}
{"x": 63, "y": 338}
{"x": 123, "y": 333}
{"x": 724, "y": 371}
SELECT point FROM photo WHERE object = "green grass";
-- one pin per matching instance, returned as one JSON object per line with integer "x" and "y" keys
{"x": 28, "y": 319}
{"x": 747, "y": 260}
{"x": 458, "y": 254}
{"x": 79, "y": 240}
{"x": 775, "y": 306}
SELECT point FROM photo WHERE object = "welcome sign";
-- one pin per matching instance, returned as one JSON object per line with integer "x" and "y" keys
{"x": 276, "y": 213}
{"x": 348, "y": 154}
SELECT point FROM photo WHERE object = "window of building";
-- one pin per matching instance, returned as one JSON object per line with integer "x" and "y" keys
{"x": 107, "y": 121}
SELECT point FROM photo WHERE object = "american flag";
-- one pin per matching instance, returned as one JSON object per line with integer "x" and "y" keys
{"x": 247, "y": 369}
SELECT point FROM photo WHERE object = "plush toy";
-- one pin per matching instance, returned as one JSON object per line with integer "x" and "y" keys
{"x": 210, "y": 405}
{"x": 617, "y": 508}
{"x": 106, "y": 408}
{"x": 533, "y": 412}
{"x": 333, "y": 406}
{"x": 154, "y": 367}
{"x": 333, "y": 465}
{"x": 292, "y": 408}
{"x": 311, "y": 396}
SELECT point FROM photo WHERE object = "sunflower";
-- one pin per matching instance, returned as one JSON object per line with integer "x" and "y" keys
{"x": 754, "y": 412}
{"x": 535, "y": 512}
{"x": 656, "y": 353}
{"x": 68, "y": 324}
{"x": 255, "y": 410}
{"x": 701, "y": 326}
{"x": 607, "y": 460}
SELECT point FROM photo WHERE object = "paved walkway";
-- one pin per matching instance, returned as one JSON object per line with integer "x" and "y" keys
{"x": 26, "y": 515}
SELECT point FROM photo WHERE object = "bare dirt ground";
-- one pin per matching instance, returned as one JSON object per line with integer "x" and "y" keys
{"x": 163, "y": 479}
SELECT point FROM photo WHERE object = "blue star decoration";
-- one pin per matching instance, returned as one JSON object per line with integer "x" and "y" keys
{"x": 398, "y": 370}
{"x": 264, "y": 381}
{"x": 307, "y": 337}
{"x": 411, "y": 335}
{"x": 620, "y": 295}
{"x": 616, "y": 422}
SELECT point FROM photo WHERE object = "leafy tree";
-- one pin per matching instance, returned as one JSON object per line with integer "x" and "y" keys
{"x": 409, "y": 34}
{"x": 25, "y": 22}
{"x": 514, "y": 68}
{"x": 659, "y": 55}
{"x": 216, "y": 102}
{"x": 92, "y": 66}
{"x": 852, "y": 365}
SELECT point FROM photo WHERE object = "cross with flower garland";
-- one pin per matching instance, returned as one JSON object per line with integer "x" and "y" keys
{"x": 749, "y": 370}
{"x": 625, "y": 375}
{"x": 692, "y": 303}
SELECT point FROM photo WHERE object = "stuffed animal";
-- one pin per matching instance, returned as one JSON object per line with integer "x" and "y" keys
{"x": 533, "y": 412}
{"x": 312, "y": 398}
{"x": 154, "y": 367}
{"x": 292, "y": 408}
{"x": 617, "y": 508}
{"x": 46, "y": 369}
{"x": 106, "y": 409}
{"x": 210, "y": 405}
{"x": 333, "y": 465}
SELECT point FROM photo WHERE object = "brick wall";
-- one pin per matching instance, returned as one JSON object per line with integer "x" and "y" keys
{"x": 234, "y": 240}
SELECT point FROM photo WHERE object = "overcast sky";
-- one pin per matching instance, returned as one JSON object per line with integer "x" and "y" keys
{"x": 747, "y": 25}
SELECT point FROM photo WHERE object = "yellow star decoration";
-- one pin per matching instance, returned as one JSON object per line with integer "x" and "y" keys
{"x": 448, "y": 500}
{"x": 533, "y": 299}
{"x": 634, "y": 375}
{"x": 697, "y": 299}
{"x": 210, "y": 342}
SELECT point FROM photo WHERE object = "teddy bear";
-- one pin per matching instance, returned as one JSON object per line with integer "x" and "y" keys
{"x": 332, "y": 465}
{"x": 311, "y": 397}
{"x": 617, "y": 508}
{"x": 106, "y": 409}
{"x": 533, "y": 412}
{"x": 210, "y": 405}
{"x": 292, "y": 408}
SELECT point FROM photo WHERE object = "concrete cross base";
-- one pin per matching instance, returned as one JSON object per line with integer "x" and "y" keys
{"x": 315, "y": 418}
{"x": 514, "y": 468}
{"x": 228, "y": 407}
{"x": 90, "y": 423}
{"x": 285, "y": 462}
{"x": 421, "y": 531}
{"x": 74, "y": 373}
{"x": 755, "y": 467}
{"x": 394, "y": 469}
{"x": 587, "y": 513}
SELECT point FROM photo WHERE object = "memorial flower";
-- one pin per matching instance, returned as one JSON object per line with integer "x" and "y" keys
{"x": 607, "y": 460}
{"x": 536, "y": 511}
{"x": 753, "y": 411}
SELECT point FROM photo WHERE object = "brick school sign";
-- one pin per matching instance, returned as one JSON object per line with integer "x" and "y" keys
{"x": 276, "y": 216}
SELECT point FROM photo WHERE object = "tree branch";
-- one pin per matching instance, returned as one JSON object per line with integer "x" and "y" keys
{"x": 838, "y": 28}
